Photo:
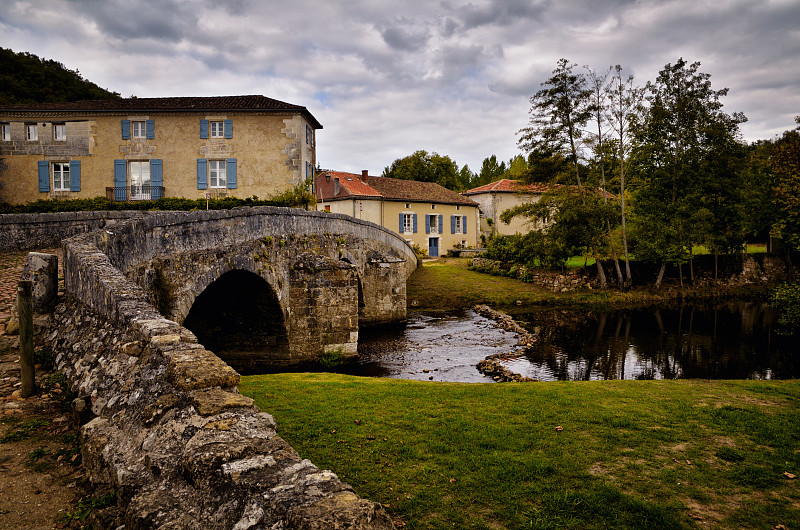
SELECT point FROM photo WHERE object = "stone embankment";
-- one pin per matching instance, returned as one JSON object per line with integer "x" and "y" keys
{"x": 182, "y": 448}
{"x": 492, "y": 365}
{"x": 570, "y": 280}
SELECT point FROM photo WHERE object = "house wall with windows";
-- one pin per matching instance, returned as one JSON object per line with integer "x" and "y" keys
{"x": 496, "y": 197}
{"x": 219, "y": 149}
{"x": 423, "y": 213}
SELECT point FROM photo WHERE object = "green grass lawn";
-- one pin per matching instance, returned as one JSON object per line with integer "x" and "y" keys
{"x": 613, "y": 454}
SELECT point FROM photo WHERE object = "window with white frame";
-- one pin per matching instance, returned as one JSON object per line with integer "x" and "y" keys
{"x": 59, "y": 132}
{"x": 6, "y": 131}
{"x": 138, "y": 129}
{"x": 32, "y": 132}
{"x": 458, "y": 224}
{"x": 60, "y": 176}
{"x": 217, "y": 129}
{"x": 434, "y": 223}
{"x": 217, "y": 177}
{"x": 408, "y": 223}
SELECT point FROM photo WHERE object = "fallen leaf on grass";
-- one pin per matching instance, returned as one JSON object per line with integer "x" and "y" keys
{"x": 333, "y": 431}
{"x": 452, "y": 480}
{"x": 789, "y": 475}
{"x": 559, "y": 428}
{"x": 357, "y": 422}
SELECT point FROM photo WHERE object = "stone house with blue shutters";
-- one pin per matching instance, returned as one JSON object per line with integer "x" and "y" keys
{"x": 427, "y": 215}
{"x": 148, "y": 148}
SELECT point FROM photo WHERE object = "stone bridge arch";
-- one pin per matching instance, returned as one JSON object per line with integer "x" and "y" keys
{"x": 330, "y": 274}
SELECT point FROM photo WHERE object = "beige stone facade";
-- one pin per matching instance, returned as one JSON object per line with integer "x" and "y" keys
{"x": 423, "y": 213}
{"x": 495, "y": 198}
{"x": 147, "y": 148}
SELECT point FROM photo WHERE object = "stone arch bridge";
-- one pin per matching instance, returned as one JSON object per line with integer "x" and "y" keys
{"x": 259, "y": 287}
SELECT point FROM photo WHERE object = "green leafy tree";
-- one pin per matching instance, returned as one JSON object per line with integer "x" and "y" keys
{"x": 426, "y": 167}
{"x": 785, "y": 164}
{"x": 558, "y": 113}
{"x": 681, "y": 132}
{"x": 622, "y": 112}
{"x": 574, "y": 220}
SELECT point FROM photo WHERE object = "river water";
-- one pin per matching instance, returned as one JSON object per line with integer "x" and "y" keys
{"x": 720, "y": 340}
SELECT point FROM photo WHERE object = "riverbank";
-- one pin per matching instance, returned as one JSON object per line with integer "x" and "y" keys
{"x": 610, "y": 454}
{"x": 447, "y": 283}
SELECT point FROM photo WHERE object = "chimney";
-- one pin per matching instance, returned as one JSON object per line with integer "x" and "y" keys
{"x": 365, "y": 176}
{"x": 335, "y": 186}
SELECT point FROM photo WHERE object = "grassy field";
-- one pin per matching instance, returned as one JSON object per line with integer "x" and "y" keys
{"x": 614, "y": 454}
{"x": 611, "y": 454}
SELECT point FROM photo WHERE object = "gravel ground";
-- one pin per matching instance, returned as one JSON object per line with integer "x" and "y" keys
{"x": 41, "y": 478}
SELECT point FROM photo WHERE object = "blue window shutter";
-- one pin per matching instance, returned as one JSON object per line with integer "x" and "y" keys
{"x": 228, "y": 131}
{"x": 427, "y": 224}
{"x": 156, "y": 179}
{"x": 401, "y": 224}
{"x": 202, "y": 173}
{"x": 204, "y": 129}
{"x": 415, "y": 223}
{"x": 150, "y": 129}
{"x": 308, "y": 133}
{"x": 464, "y": 225}
{"x": 75, "y": 175}
{"x": 440, "y": 224}
{"x": 126, "y": 129}
{"x": 120, "y": 180}
{"x": 452, "y": 224}
{"x": 231, "y": 173}
{"x": 44, "y": 175}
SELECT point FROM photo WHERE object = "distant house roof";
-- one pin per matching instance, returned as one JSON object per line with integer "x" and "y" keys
{"x": 510, "y": 186}
{"x": 253, "y": 103}
{"x": 352, "y": 185}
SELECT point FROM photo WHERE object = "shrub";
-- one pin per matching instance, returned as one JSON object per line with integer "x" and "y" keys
{"x": 786, "y": 298}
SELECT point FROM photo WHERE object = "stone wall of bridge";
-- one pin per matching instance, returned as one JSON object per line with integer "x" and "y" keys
{"x": 170, "y": 431}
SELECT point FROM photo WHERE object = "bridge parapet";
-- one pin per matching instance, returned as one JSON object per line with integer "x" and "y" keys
{"x": 169, "y": 416}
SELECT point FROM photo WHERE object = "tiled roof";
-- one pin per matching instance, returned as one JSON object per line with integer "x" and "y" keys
{"x": 250, "y": 103}
{"x": 514, "y": 186}
{"x": 510, "y": 186}
{"x": 350, "y": 185}
{"x": 390, "y": 189}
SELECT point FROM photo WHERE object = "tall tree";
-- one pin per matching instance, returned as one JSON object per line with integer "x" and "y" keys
{"x": 598, "y": 83}
{"x": 675, "y": 149}
{"x": 785, "y": 163}
{"x": 622, "y": 111}
{"x": 558, "y": 113}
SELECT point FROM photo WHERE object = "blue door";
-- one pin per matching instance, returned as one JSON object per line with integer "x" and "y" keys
{"x": 433, "y": 247}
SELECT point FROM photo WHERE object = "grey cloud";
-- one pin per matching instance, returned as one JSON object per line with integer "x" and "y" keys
{"x": 403, "y": 35}
{"x": 145, "y": 19}
{"x": 497, "y": 12}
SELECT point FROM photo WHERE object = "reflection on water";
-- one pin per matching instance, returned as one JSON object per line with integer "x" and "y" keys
{"x": 729, "y": 340}
{"x": 431, "y": 347}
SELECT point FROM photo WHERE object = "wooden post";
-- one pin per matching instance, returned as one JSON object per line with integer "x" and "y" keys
{"x": 25, "y": 308}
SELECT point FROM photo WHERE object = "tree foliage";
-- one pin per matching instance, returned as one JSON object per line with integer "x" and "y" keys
{"x": 25, "y": 78}
{"x": 557, "y": 115}
{"x": 426, "y": 167}
{"x": 785, "y": 164}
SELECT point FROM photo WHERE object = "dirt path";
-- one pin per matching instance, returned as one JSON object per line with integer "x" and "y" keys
{"x": 41, "y": 478}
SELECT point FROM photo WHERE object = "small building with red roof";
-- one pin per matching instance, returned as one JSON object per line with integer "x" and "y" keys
{"x": 496, "y": 197}
{"x": 426, "y": 214}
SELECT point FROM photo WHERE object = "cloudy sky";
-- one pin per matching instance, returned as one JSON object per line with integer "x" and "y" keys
{"x": 389, "y": 77}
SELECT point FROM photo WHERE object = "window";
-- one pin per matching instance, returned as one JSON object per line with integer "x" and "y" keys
{"x": 140, "y": 180}
{"x": 6, "y": 131}
{"x": 138, "y": 129}
{"x": 433, "y": 206}
{"x": 408, "y": 223}
{"x": 60, "y": 176}
{"x": 216, "y": 174}
{"x": 59, "y": 132}
{"x": 309, "y": 136}
{"x": 32, "y": 132}
{"x": 217, "y": 129}
{"x": 433, "y": 224}
{"x": 457, "y": 224}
